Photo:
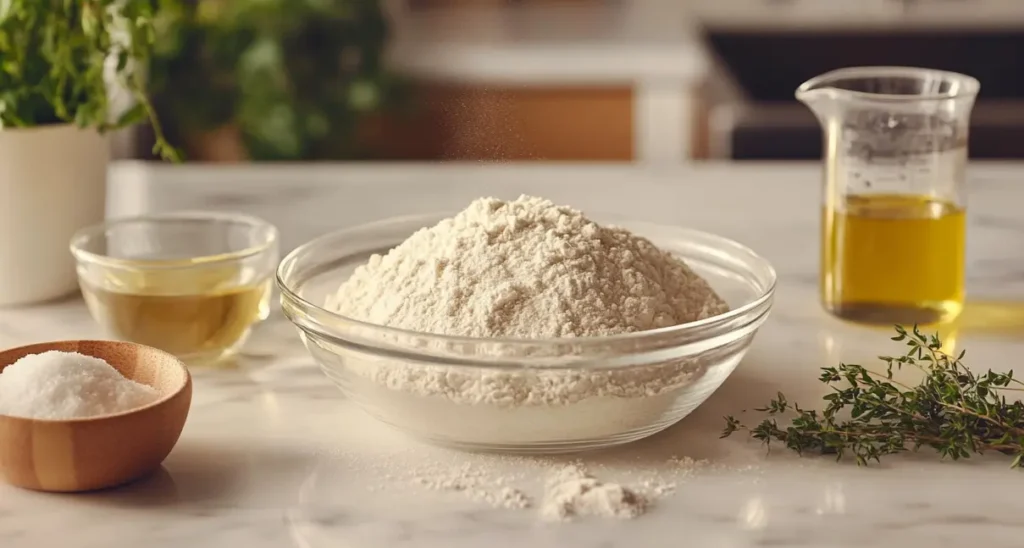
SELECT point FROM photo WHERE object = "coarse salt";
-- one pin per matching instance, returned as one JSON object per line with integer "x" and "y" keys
{"x": 68, "y": 385}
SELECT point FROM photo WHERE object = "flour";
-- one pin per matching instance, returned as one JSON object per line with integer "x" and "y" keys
{"x": 573, "y": 492}
{"x": 524, "y": 269}
{"x": 549, "y": 488}
{"x": 477, "y": 484}
{"x": 495, "y": 481}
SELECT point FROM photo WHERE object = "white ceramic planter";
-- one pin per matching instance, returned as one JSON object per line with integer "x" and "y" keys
{"x": 52, "y": 182}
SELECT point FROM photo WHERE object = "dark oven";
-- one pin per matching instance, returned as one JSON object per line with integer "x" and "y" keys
{"x": 767, "y": 65}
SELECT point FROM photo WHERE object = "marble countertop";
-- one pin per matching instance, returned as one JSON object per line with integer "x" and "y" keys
{"x": 273, "y": 456}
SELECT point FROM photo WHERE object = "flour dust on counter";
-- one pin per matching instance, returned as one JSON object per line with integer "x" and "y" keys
{"x": 555, "y": 489}
{"x": 494, "y": 481}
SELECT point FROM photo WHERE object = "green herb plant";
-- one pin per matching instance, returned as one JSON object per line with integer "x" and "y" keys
{"x": 293, "y": 79}
{"x": 59, "y": 57}
{"x": 868, "y": 415}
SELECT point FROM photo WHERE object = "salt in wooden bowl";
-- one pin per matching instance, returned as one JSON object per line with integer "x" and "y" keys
{"x": 106, "y": 451}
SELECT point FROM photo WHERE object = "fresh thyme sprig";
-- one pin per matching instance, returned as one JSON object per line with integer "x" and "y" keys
{"x": 868, "y": 415}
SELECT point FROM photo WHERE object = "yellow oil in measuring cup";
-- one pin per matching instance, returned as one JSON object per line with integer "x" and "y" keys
{"x": 893, "y": 222}
{"x": 893, "y": 258}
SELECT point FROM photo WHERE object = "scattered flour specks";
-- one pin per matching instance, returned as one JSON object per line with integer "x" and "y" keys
{"x": 556, "y": 489}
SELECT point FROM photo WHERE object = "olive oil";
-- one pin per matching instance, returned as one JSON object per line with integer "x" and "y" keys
{"x": 890, "y": 258}
{"x": 198, "y": 315}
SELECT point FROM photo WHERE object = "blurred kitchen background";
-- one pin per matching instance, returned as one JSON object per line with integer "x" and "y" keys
{"x": 646, "y": 81}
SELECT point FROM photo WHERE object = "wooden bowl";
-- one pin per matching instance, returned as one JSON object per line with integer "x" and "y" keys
{"x": 96, "y": 453}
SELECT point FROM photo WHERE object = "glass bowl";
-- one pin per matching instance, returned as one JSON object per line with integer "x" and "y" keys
{"x": 526, "y": 395}
{"x": 191, "y": 283}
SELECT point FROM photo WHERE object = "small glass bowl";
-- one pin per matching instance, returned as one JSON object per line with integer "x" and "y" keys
{"x": 430, "y": 385}
{"x": 190, "y": 283}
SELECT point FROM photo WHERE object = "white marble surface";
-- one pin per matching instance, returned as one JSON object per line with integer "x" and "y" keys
{"x": 272, "y": 456}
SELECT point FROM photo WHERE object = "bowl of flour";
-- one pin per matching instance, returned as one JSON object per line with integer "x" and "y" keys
{"x": 526, "y": 326}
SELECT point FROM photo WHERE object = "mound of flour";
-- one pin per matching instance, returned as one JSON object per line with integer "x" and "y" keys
{"x": 573, "y": 492}
{"x": 527, "y": 269}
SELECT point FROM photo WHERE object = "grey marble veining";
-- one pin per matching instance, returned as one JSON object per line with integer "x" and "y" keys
{"x": 271, "y": 454}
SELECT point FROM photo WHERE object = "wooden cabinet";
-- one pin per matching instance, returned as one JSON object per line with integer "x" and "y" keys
{"x": 552, "y": 80}
{"x": 464, "y": 122}
{"x": 473, "y": 122}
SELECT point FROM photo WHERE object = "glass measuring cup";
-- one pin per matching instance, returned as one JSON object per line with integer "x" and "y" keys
{"x": 893, "y": 221}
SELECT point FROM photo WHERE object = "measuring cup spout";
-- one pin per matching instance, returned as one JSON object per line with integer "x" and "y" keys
{"x": 888, "y": 89}
{"x": 823, "y": 100}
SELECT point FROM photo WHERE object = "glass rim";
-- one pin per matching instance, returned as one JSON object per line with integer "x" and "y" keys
{"x": 87, "y": 234}
{"x": 970, "y": 85}
{"x": 699, "y": 330}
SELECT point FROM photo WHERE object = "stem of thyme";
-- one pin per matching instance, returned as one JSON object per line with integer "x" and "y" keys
{"x": 868, "y": 415}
